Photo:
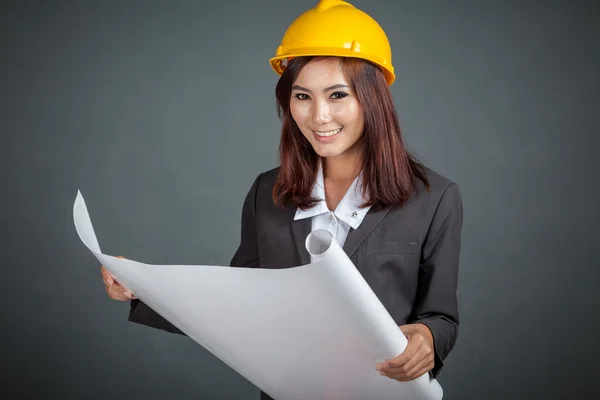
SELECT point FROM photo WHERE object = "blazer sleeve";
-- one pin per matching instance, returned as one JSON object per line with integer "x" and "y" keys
{"x": 246, "y": 255}
{"x": 437, "y": 303}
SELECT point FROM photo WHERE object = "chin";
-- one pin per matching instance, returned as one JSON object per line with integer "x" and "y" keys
{"x": 327, "y": 153}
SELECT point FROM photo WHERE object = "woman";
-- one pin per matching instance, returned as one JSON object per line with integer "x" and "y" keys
{"x": 344, "y": 168}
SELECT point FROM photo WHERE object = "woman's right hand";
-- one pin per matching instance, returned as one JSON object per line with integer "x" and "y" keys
{"x": 113, "y": 288}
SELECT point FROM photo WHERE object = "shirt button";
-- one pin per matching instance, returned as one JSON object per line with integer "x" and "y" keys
{"x": 330, "y": 216}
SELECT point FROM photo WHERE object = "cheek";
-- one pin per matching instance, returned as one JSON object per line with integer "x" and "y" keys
{"x": 299, "y": 112}
{"x": 348, "y": 115}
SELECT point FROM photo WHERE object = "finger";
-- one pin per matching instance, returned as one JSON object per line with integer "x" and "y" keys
{"x": 109, "y": 279}
{"x": 414, "y": 374}
{"x": 424, "y": 355}
{"x": 407, "y": 329}
{"x": 114, "y": 285}
{"x": 115, "y": 295}
{"x": 120, "y": 292}
{"x": 414, "y": 343}
{"x": 424, "y": 358}
{"x": 106, "y": 276}
{"x": 407, "y": 374}
{"x": 420, "y": 369}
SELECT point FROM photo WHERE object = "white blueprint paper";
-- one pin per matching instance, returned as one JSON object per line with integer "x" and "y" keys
{"x": 313, "y": 331}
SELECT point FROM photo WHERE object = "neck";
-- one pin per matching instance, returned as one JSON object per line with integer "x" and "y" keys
{"x": 341, "y": 168}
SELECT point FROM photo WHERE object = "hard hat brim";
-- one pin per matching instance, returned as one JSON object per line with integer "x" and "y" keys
{"x": 277, "y": 62}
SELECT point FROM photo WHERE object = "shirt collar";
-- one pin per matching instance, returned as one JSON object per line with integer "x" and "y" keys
{"x": 348, "y": 210}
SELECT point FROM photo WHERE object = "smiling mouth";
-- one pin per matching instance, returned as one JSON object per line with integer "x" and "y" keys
{"x": 328, "y": 133}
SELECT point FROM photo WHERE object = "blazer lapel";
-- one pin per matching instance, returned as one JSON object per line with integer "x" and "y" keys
{"x": 357, "y": 236}
{"x": 300, "y": 230}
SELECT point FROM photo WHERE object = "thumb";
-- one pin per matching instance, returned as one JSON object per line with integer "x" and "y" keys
{"x": 411, "y": 329}
{"x": 406, "y": 329}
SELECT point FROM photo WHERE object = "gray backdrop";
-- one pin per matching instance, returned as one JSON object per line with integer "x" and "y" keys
{"x": 162, "y": 113}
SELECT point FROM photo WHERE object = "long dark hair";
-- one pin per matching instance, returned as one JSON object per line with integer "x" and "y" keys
{"x": 390, "y": 173}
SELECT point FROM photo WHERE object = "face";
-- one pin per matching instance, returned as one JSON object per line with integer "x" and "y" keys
{"x": 326, "y": 109}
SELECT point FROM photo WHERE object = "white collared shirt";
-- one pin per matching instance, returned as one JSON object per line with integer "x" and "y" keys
{"x": 347, "y": 214}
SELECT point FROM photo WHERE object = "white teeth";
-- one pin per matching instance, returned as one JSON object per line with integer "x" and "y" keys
{"x": 328, "y": 133}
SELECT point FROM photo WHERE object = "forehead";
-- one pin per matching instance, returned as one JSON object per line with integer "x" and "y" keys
{"x": 321, "y": 72}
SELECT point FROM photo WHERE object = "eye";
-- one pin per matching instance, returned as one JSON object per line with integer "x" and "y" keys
{"x": 339, "y": 95}
{"x": 301, "y": 96}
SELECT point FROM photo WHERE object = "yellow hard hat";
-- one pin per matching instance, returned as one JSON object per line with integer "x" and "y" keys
{"x": 335, "y": 28}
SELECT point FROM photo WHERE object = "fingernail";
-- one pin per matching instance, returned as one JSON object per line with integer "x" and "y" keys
{"x": 127, "y": 294}
{"x": 109, "y": 281}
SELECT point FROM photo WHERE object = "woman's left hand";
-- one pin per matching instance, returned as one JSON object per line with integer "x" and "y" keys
{"x": 416, "y": 360}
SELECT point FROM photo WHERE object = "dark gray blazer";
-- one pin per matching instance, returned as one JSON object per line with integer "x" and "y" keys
{"x": 409, "y": 255}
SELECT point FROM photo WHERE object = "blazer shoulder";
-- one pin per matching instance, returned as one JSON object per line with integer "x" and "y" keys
{"x": 440, "y": 187}
{"x": 265, "y": 181}
{"x": 438, "y": 181}
{"x": 262, "y": 188}
{"x": 267, "y": 178}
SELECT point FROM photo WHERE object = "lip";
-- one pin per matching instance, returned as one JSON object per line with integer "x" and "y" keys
{"x": 327, "y": 139}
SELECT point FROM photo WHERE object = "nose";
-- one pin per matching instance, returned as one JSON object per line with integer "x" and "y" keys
{"x": 321, "y": 112}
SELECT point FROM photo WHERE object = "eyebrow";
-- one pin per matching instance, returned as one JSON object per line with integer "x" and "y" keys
{"x": 339, "y": 85}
